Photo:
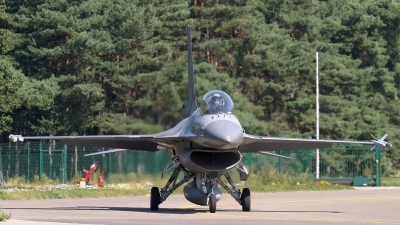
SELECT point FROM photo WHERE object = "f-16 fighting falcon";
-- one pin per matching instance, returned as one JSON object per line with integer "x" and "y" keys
{"x": 205, "y": 146}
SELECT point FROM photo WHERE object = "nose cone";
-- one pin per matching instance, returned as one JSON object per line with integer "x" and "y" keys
{"x": 223, "y": 134}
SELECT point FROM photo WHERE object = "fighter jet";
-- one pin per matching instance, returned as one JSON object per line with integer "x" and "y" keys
{"x": 205, "y": 146}
{"x": 380, "y": 142}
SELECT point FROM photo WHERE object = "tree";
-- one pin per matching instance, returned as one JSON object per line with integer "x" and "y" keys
{"x": 94, "y": 50}
{"x": 10, "y": 78}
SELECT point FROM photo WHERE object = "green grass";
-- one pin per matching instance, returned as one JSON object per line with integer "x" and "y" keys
{"x": 138, "y": 185}
{"x": 77, "y": 192}
{"x": 391, "y": 181}
{"x": 4, "y": 215}
{"x": 28, "y": 194}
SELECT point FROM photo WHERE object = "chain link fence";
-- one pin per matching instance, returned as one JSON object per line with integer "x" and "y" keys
{"x": 35, "y": 161}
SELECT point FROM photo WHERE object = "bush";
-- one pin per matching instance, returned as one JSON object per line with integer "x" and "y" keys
{"x": 4, "y": 215}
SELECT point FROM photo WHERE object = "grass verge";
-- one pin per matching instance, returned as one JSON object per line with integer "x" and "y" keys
{"x": 391, "y": 181}
{"x": 270, "y": 181}
{"x": 132, "y": 190}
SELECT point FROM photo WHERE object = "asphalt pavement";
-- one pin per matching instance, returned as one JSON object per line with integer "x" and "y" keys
{"x": 365, "y": 205}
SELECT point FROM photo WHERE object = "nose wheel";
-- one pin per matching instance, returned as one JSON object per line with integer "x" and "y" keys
{"x": 245, "y": 200}
{"x": 212, "y": 203}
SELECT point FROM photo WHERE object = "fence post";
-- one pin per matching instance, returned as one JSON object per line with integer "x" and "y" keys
{"x": 64, "y": 164}
{"x": 309, "y": 163}
{"x": 29, "y": 161}
{"x": 280, "y": 163}
{"x": 1, "y": 169}
{"x": 110, "y": 157}
{"x": 41, "y": 162}
{"x": 104, "y": 163}
{"x": 378, "y": 155}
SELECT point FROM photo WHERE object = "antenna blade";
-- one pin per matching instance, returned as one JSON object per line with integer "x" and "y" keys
{"x": 273, "y": 154}
{"x": 107, "y": 152}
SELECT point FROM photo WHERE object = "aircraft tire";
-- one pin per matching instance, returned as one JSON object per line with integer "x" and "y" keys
{"x": 212, "y": 203}
{"x": 154, "y": 198}
{"x": 245, "y": 200}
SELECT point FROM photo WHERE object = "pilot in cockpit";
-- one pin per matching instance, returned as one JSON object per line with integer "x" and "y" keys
{"x": 216, "y": 102}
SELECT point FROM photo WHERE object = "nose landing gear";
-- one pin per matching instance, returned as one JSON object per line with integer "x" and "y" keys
{"x": 212, "y": 203}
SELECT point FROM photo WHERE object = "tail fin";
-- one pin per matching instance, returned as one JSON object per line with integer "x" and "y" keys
{"x": 189, "y": 107}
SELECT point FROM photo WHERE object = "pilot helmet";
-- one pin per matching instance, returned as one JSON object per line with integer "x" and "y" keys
{"x": 217, "y": 102}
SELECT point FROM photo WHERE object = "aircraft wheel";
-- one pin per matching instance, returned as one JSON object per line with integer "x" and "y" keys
{"x": 212, "y": 203}
{"x": 245, "y": 200}
{"x": 154, "y": 198}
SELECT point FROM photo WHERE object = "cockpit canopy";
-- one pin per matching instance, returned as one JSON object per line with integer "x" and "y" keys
{"x": 216, "y": 102}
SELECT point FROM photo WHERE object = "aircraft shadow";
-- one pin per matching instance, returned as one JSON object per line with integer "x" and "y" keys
{"x": 127, "y": 209}
{"x": 165, "y": 210}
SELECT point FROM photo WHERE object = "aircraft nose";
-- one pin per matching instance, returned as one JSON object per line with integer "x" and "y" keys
{"x": 223, "y": 134}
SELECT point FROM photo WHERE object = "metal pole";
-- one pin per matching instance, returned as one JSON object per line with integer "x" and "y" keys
{"x": 64, "y": 158}
{"x": 29, "y": 161}
{"x": 1, "y": 169}
{"x": 317, "y": 109}
{"x": 110, "y": 163}
{"x": 41, "y": 163}
{"x": 378, "y": 159}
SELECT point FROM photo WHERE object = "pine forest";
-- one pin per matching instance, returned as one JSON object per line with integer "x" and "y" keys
{"x": 92, "y": 67}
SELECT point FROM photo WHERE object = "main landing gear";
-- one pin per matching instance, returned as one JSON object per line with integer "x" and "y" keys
{"x": 157, "y": 197}
{"x": 203, "y": 189}
{"x": 245, "y": 200}
{"x": 154, "y": 198}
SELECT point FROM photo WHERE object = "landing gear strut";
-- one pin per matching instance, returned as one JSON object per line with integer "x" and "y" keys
{"x": 242, "y": 198}
{"x": 157, "y": 197}
{"x": 207, "y": 184}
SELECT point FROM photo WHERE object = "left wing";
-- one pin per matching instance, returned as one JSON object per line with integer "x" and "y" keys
{"x": 132, "y": 142}
{"x": 151, "y": 142}
{"x": 252, "y": 143}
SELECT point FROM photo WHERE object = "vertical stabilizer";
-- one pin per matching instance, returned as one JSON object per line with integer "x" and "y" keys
{"x": 189, "y": 107}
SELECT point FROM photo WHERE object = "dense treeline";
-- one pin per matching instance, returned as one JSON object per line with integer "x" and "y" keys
{"x": 120, "y": 66}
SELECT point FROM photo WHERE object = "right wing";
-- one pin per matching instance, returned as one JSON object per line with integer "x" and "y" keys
{"x": 252, "y": 143}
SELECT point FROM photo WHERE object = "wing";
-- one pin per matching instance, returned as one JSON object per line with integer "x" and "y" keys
{"x": 383, "y": 138}
{"x": 252, "y": 143}
{"x": 151, "y": 142}
{"x": 131, "y": 142}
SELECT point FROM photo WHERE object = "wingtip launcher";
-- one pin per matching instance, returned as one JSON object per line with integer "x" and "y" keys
{"x": 380, "y": 142}
{"x": 16, "y": 138}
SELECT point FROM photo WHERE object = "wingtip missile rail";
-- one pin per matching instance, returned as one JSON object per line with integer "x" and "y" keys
{"x": 16, "y": 138}
{"x": 380, "y": 142}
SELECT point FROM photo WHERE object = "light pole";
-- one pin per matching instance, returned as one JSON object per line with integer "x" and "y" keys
{"x": 317, "y": 112}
